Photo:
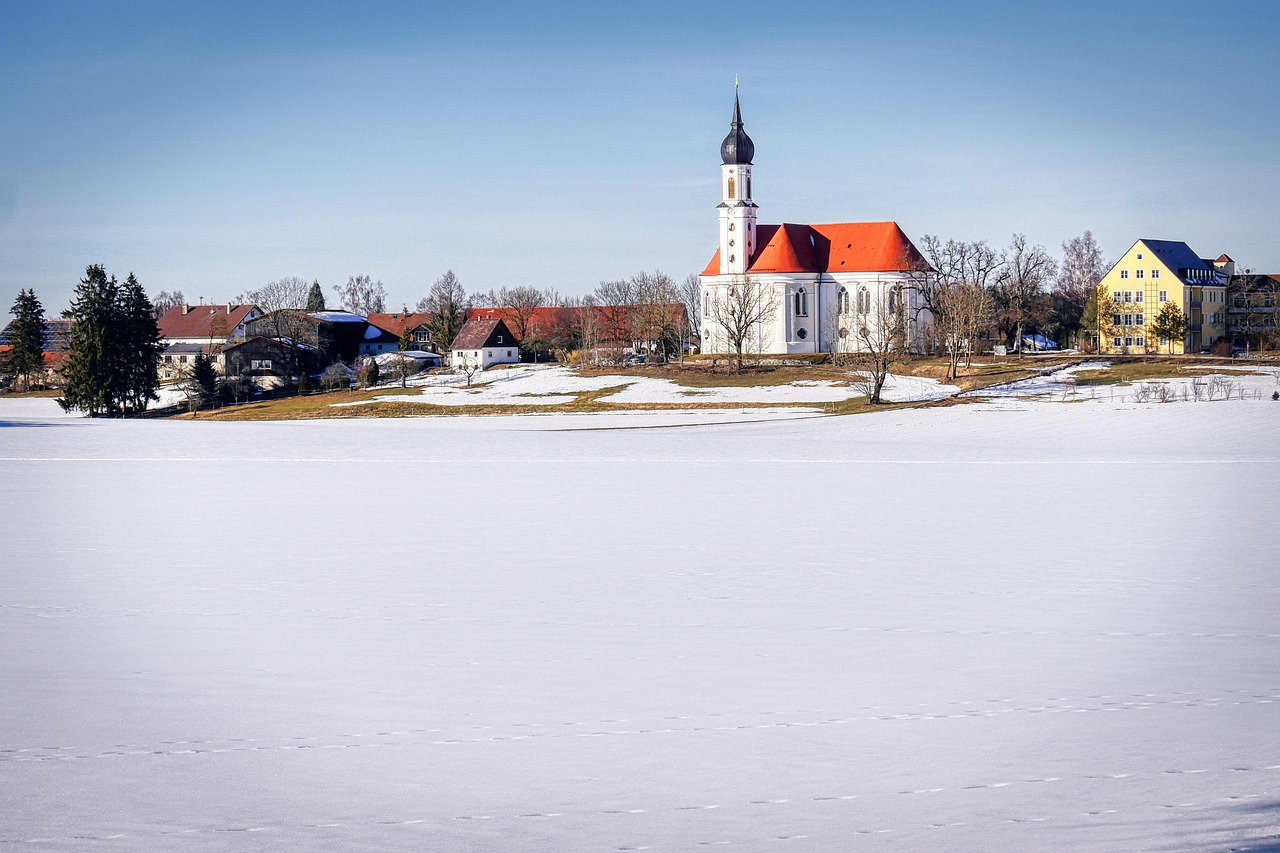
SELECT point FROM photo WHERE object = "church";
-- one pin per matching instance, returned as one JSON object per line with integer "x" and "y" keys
{"x": 838, "y": 287}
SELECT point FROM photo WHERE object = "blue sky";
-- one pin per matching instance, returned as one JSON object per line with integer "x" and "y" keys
{"x": 212, "y": 149}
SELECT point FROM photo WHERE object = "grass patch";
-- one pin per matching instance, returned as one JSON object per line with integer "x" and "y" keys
{"x": 21, "y": 395}
{"x": 1123, "y": 373}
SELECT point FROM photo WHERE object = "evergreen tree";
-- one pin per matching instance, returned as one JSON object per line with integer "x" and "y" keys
{"x": 113, "y": 356}
{"x": 202, "y": 385}
{"x": 372, "y": 373}
{"x": 26, "y": 336}
{"x": 315, "y": 297}
{"x": 87, "y": 371}
{"x": 406, "y": 339}
{"x": 139, "y": 347}
{"x": 1170, "y": 324}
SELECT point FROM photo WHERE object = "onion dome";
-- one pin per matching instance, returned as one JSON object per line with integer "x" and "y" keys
{"x": 737, "y": 148}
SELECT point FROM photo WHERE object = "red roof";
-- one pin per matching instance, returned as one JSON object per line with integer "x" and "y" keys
{"x": 196, "y": 321}
{"x": 614, "y": 322}
{"x": 397, "y": 323}
{"x": 834, "y": 247}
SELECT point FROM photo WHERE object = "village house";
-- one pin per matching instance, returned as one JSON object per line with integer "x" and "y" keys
{"x": 421, "y": 338}
{"x": 188, "y": 330}
{"x": 483, "y": 342}
{"x": 1253, "y": 310}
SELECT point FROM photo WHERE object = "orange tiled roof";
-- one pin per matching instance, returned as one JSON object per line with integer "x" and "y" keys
{"x": 397, "y": 323}
{"x": 833, "y": 247}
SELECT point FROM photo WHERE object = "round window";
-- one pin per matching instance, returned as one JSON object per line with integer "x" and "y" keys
{"x": 802, "y": 333}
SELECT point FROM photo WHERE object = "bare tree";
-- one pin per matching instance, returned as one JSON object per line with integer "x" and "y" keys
{"x": 955, "y": 263}
{"x": 362, "y": 295}
{"x": 880, "y": 333}
{"x": 1020, "y": 288}
{"x": 163, "y": 301}
{"x": 691, "y": 296}
{"x": 967, "y": 310}
{"x": 468, "y": 365}
{"x": 520, "y": 303}
{"x": 290, "y": 292}
{"x": 447, "y": 303}
{"x": 740, "y": 310}
{"x": 1083, "y": 266}
{"x": 587, "y": 327}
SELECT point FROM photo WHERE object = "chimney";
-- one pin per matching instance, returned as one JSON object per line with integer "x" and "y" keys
{"x": 228, "y": 309}
{"x": 186, "y": 309}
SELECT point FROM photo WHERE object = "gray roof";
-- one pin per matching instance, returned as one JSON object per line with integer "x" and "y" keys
{"x": 1177, "y": 255}
{"x": 737, "y": 148}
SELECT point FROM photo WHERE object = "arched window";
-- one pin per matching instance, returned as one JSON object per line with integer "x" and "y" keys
{"x": 731, "y": 195}
{"x": 842, "y": 301}
{"x": 748, "y": 186}
{"x": 802, "y": 303}
{"x": 864, "y": 300}
{"x": 706, "y": 304}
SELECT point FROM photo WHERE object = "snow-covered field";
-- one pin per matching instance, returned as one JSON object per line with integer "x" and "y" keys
{"x": 546, "y": 385}
{"x": 1031, "y": 628}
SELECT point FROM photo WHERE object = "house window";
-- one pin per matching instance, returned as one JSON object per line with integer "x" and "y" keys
{"x": 1119, "y": 342}
{"x": 182, "y": 358}
{"x": 508, "y": 353}
{"x": 1140, "y": 341}
{"x": 864, "y": 300}
{"x": 1128, "y": 342}
{"x": 1164, "y": 296}
{"x": 842, "y": 301}
{"x": 1139, "y": 296}
{"x": 731, "y": 188}
{"x": 260, "y": 364}
{"x": 1139, "y": 256}
{"x": 706, "y": 305}
{"x": 1115, "y": 319}
{"x": 1124, "y": 273}
{"x": 1137, "y": 320}
{"x": 1155, "y": 273}
{"x": 802, "y": 303}
{"x": 1164, "y": 342}
{"x": 1128, "y": 319}
{"x": 1128, "y": 296}
{"x": 1137, "y": 273}
{"x": 499, "y": 340}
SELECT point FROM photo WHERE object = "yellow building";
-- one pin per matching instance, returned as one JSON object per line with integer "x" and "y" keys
{"x": 1152, "y": 274}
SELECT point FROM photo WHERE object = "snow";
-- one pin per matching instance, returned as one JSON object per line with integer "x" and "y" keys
{"x": 1232, "y": 383}
{"x": 533, "y": 385}
{"x": 807, "y": 634}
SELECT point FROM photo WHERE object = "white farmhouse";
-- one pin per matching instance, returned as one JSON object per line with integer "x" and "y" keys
{"x": 483, "y": 342}
{"x": 825, "y": 282}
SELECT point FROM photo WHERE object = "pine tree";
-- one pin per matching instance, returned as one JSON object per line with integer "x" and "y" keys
{"x": 86, "y": 371}
{"x": 113, "y": 356}
{"x": 202, "y": 386}
{"x": 315, "y": 297}
{"x": 140, "y": 347}
{"x": 1170, "y": 324}
{"x": 406, "y": 339}
{"x": 26, "y": 337}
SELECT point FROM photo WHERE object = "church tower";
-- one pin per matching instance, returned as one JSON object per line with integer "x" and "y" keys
{"x": 737, "y": 210}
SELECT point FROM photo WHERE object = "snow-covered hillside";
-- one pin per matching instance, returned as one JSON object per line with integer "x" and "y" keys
{"x": 971, "y": 628}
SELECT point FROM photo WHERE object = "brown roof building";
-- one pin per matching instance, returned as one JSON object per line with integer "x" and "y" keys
{"x": 206, "y": 324}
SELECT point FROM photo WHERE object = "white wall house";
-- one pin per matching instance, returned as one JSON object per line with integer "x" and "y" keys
{"x": 484, "y": 342}
{"x": 824, "y": 281}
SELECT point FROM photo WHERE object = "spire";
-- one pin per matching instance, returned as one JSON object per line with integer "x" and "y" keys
{"x": 737, "y": 148}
